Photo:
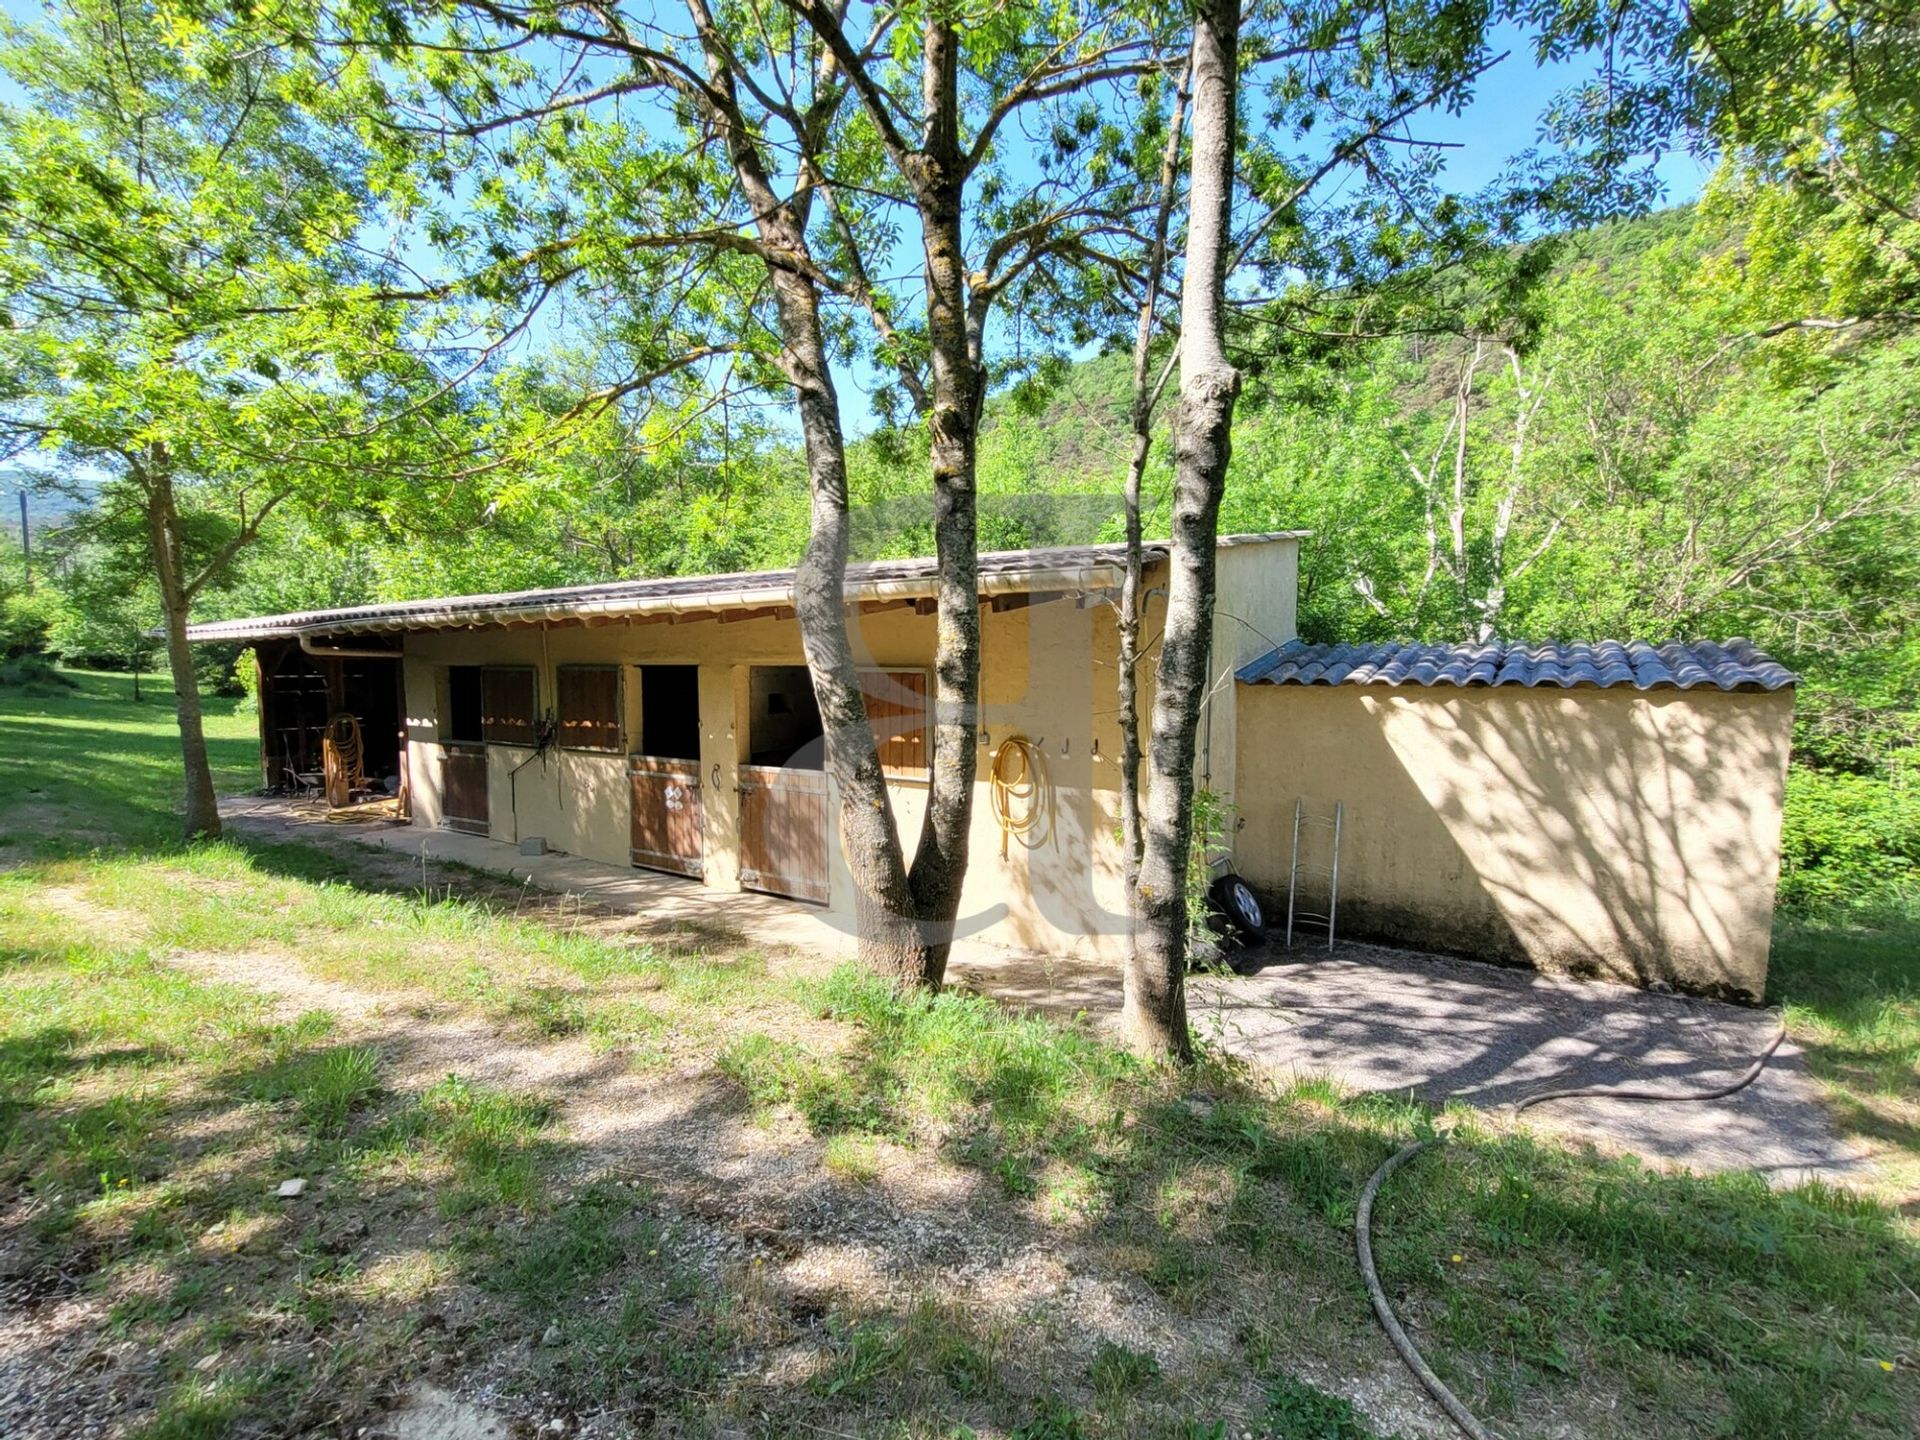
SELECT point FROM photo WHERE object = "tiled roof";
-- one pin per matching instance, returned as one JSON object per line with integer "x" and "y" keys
{"x": 1001, "y": 572}
{"x": 1696, "y": 665}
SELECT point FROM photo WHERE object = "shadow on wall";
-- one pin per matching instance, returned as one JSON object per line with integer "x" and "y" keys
{"x": 579, "y": 801}
{"x": 1600, "y": 833}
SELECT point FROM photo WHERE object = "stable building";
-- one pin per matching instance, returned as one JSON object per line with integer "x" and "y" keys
{"x": 1609, "y": 810}
{"x": 671, "y": 724}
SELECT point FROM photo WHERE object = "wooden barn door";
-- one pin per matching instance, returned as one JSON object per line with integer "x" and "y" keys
{"x": 463, "y": 788}
{"x": 783, "y": 831}
{"x": 666, "y": 814}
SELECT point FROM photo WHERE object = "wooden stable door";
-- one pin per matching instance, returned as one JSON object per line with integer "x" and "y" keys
{"x": 463, "y": 788}
{"x": 783, "y": 831}
{"x": 666, "y": 814}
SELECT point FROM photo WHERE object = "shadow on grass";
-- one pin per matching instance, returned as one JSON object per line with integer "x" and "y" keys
{"x": 1538, "y": 1266}
{"x": 453, "y": 1222}
{"x": 790, "y": 1271}
{"x": 86, "y": 767}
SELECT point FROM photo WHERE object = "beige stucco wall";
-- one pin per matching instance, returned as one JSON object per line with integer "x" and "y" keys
{"x": 1599, "y": 832}
{"x": 1048, "y": 675}
{"x": 1255, "y": 589}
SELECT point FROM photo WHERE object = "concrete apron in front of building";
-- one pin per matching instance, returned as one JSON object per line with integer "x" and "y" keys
{"x": 669, "y": 901}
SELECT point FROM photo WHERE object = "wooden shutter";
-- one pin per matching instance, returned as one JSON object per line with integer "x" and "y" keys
{"x": 587, "y": 698}
{"x": 897, "y": 707}
{"x": 507, "y": 706}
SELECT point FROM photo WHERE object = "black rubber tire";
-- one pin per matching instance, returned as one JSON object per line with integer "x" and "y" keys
{"x": 1232, "y": 898}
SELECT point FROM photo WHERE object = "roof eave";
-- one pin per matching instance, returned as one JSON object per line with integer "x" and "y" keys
{"x": 1083, "y": 579}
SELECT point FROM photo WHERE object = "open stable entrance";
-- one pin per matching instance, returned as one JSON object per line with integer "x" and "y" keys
{"x": 785, "y": 816}
{"x": 664, "y": 776}
{"x": 331, "y": 724}
{"x": 463, "y": 752}
{"x": 783, "y": 787}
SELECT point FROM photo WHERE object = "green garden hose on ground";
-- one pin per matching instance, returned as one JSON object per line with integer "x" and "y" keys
{"x": 1363, "y": 1222}
{"x": 1602, "y": 1092}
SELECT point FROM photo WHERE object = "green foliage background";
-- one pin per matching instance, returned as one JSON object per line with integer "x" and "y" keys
{"x": 1681, "y": 477}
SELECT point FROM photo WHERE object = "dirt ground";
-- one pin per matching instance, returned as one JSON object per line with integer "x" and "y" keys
{"x": 738, "y": 1195}
{"x": 1368, "y": 1017}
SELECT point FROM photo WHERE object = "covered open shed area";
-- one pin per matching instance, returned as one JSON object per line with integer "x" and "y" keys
{"x": 331, "y": 720}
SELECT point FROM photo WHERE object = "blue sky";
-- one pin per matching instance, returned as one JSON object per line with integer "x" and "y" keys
{"x": 1505, "y": 115}
{"x": 1501, "y": 120}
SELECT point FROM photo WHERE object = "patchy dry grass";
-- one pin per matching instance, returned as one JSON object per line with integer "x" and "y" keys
{"x": 690, "y": 1189}
{"x": 145, "y": 1108}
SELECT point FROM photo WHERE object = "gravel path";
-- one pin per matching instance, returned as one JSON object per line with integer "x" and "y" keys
{"x": 736, "y": 1190}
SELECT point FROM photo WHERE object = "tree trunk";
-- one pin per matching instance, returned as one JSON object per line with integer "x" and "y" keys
{"x": 940, "y": 861}
{"x": 1155, "y": 1011}
{"x": 905, "y": 918}
{"x": 889, "y": 940}
{"x": 202, "y": 819}
{"x": 1141, "y": 414}
{"x": 887, "y": 932}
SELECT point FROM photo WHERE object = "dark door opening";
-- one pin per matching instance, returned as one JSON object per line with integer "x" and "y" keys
{"x": 463, "y": 752}
{"x": 670, "y": 711}
{"x": 784, "y": 722}
{"x": 784, "y": 826}
{"x": 461, "y": 723}
{"x": 665, "y": 775}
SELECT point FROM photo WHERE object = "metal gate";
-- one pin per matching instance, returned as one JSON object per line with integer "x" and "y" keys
{"x": 783, "y": 831}
{"x": 463, "y": 788}
{"x": 666, "y": 814}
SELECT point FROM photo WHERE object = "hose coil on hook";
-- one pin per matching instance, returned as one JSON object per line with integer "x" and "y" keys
{"x": 1022, "y": 798}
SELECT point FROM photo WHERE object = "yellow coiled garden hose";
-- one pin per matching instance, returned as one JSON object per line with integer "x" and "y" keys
{"x": 1021, "y": 799}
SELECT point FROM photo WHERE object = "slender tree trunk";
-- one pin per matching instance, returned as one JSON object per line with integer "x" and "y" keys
{"x": 888, "y": 932}
{"x": 1141, "y": 415}
{"x": 940, "y": 861}
{"x": 202, "y": 819}
{"x": 1155, "y": 1011}
{"x": 888, "y": 937}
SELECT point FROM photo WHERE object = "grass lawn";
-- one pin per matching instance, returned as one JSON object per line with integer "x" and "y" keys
{"x": 82, "y": 765}
{"x": 666, "y": 1185}
{"x": 1849, "y": 982}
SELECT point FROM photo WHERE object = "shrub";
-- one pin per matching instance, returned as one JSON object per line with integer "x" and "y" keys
{"x": 216, "y": 668}
{"x": 35, "y": 675}
{"x": 1847, "y": 837}
{"x": 25, "y": 618}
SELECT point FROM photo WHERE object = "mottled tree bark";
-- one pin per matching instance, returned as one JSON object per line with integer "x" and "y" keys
{"x": 1155, "y": 1009}
{"x": 940, "y": 861}
{"x": 888, "y": 937}
{"x": 202, "y": 816}
{"x": 888, "y": 932}
{"x": 1140, "y": 413}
